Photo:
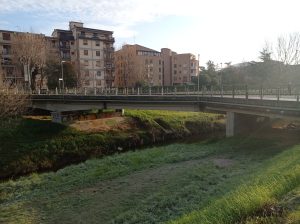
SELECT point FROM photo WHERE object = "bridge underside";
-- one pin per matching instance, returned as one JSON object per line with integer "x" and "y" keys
{"x": 243, "y": 115}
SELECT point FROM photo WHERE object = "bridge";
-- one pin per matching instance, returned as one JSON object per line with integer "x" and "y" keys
{"x": 245, "y": 108}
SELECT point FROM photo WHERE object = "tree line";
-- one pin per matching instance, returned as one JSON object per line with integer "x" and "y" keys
{"x": 278, "y": 65}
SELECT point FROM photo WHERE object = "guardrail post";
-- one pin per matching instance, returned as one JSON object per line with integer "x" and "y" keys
{"x": 278, "y": 94}
{"x": 84, "y": 90}
{"x": 175, "y": 90}
{"x": 39, "y": 91}
{"x": 138, "y": 91}
{"x": 116, "y": 91}
{"x": 211, "y": 91}
{"x": 95, "y": 91}
{"x": 261, "y": 93}
{"x": 162, "y": 90}
{"x": 75, "y": 91}
{"x": 150, "y": 91}
{"x": 246, "y": 93}
{"x": 132, "y": 91}
{"x": 233, "y": 92}
{"x": 56, "y": 91}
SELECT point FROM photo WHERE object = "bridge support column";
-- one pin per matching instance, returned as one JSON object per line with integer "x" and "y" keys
{"x": 237, "y": 123}
{"x": 230, "y": 124}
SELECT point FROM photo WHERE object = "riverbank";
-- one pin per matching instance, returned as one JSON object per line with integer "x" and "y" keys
{"x": 36, "y": 145}
{"x": 233, "y": 180}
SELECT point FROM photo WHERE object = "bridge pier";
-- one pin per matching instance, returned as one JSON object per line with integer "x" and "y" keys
{"x": 237, "y": 123}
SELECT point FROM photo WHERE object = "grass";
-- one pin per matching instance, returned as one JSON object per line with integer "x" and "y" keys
{"x": 39, "y": 145}
{"x": 224, "y": 181}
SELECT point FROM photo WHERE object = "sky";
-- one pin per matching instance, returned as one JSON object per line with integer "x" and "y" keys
{"x": 222, "y": 31}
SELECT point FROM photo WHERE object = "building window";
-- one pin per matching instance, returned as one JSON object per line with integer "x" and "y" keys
{"x": 72, "y": 43}
{"x": 82, "y": 33}
{"x": 87, "y": 82}
{"x": 86, "y": 73}
{"x": 159, "y": 69}
{"x": 6, "y": 49}
{"x": 98, "y": 63}
{"x": 97, "y": 43}
{"x": 184, "y": 79}
{"x": 159, "y": 77}
{"x": 175, "y": 65}
{"x": 98, "y": 73}
{"x": 175, "y": 72}
{"x": 85, "y": 52}
{"x": 159, "y": 62}
{"x": 86, "y": 63}
{"x": 151, "y": 61}
{"x": 97, "y": 53}
{"x": 6, "y": 36}
{"x": 85, "y": 42}
{"x": 72, "y": 53}
{"x": 95, "y": 35}
{"x": 53, "y": 43}
{"x": 98, "y": 82}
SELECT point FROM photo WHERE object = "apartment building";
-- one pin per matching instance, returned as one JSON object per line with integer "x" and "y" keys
{"x": 90, "y": 51}
{"x": 13, "y": 73}
{"x": 184, "y": 67}
{"x": 10, "y": 73}
{"x": 139, "y": 65}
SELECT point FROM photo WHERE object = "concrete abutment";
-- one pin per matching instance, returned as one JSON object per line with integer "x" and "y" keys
{"x": 237, "y": 123}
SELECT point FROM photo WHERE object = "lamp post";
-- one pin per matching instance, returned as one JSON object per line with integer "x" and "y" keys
{"x": 62, "y": 74}
{"x": 198, "y": 73}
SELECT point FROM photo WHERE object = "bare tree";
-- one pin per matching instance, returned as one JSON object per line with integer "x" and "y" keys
{"x": 288, "y": 49}
{"x": 124, "y": 62}
{"x": 29, "y": 50}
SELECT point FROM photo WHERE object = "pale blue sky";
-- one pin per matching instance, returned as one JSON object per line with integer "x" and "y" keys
{"x": 222, "y": 31}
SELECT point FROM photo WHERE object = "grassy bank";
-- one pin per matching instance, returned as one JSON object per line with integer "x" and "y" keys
{"x": 225, "y": 181}
{"x": 36, "y": 145}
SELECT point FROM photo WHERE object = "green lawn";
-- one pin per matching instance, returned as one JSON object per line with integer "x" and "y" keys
{"x": 216, "y": 181}
{"x": 39, "y": 145}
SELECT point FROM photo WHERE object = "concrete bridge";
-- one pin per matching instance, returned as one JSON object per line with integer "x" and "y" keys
{"x": 245, "y": 109}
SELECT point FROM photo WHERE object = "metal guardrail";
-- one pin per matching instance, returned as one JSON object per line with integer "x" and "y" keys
{"x": 271, "y": 93}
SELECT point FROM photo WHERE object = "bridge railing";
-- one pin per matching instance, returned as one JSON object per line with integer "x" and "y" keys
{"x": 226, "y": 91}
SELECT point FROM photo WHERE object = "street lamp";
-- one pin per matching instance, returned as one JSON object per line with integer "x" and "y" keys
{"x": 198, "y": 75}
{"x": 62, "y": 74}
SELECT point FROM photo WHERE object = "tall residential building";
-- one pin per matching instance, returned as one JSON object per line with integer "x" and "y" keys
{"x": 89, "y": 50}
{"x": 11, "y": 74}
{"x": 184, "y": 67}
{"x": 14, "y": 74}
{"x": 138, "y": 65}
{"x": 91, "y": 53}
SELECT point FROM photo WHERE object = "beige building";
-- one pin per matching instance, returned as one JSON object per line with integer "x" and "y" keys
{"x": 184, "y": 67}
{"x": 90, "y": 51}
{"x": 137, "y": 65}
